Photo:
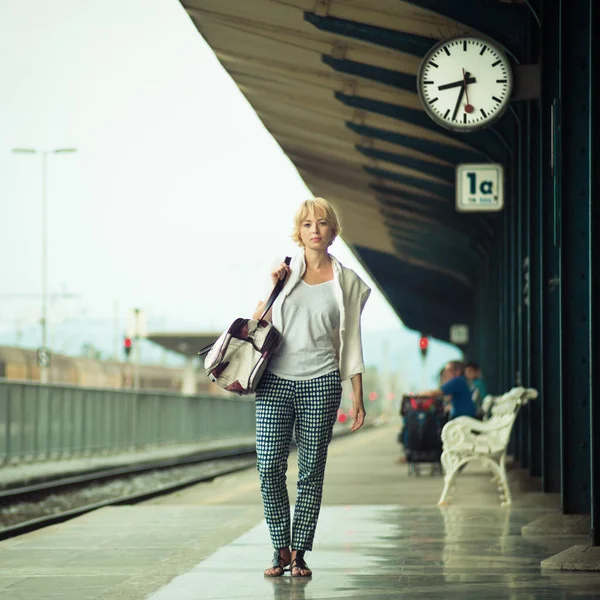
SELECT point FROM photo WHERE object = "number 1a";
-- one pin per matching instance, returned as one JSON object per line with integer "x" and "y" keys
{"x": 486, "y": 187}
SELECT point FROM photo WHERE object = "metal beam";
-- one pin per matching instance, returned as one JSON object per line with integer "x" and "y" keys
{"x": 488, "y": 143}
{"x": 440, "y": 189}
{"x": 446, "y": 221}
{"x": 440, "y": 171}
{"x": 427, "y": 202}
{"x": 397, "y": 79}
{"x": 505, "y": 22}
{"x": 432, "y": 230}
{"x": 410, "y": 289}
{"x": 441, "y": 151}
{"x": 436, "y": 245}
{"x": 478, "y": 228}
{"x": 409, "y": 43}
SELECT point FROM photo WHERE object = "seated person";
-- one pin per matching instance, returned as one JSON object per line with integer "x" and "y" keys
{"x": 457, "y": 388}
{"x": 478, "y": 390}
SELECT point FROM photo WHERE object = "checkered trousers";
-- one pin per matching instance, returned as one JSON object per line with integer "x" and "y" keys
{"x": 311, "y": 406}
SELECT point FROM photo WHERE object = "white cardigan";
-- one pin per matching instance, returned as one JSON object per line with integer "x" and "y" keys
{"x": 352, "y": 294}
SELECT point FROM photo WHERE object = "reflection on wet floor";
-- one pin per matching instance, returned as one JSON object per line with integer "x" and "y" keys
{"x": 384, "y": 552}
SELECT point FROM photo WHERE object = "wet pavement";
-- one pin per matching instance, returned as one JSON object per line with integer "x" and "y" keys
{"x": 385, "y": 552}
{"x": 380, "y": 536}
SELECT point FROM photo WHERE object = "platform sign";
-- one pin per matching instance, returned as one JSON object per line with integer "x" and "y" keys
{"x": 459, "y": 334}
{"x": 43, "y": 357}
{"x": 479, "y": 187}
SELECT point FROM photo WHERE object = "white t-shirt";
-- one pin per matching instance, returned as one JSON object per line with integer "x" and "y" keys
{"x": 310, "y": 316}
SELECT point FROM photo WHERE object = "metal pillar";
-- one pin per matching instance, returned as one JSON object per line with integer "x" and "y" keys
{"x": 573, "y": 120}
{"x": 551, "y": 283}
{"x": 512, "y": 287}
{"x": 522, "y": 268}
{"x": 535, "y": 308}
{"x": 594, "y": 405}
{"x": 495, "y": 304}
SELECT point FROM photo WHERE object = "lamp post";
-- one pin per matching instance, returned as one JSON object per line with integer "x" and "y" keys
{"x": 43, "y": 353}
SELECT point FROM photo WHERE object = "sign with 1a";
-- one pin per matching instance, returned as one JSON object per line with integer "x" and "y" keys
{"x": 479, "y": 187}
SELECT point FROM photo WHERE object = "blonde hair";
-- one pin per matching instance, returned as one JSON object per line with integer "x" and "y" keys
{"x": 321, "y": 208}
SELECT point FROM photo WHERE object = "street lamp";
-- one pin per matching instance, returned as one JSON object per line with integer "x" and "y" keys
{"x": 43, "y": 352}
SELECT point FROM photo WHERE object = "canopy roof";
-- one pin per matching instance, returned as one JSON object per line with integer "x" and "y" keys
{"x": 187, "y": 344}
{"x": 334, "y": 81}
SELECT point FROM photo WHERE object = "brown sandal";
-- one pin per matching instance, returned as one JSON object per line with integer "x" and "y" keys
{"x": 278, "y": 565}
{"x": 300, "y": 564}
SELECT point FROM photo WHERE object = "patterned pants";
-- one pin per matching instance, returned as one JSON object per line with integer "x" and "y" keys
{"x": 312, "y": 405}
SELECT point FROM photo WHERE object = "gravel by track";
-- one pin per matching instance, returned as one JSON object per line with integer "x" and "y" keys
{"x": 32, "y": 507}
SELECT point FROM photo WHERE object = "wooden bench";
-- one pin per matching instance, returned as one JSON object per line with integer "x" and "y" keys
{"x": 465, "y": 439}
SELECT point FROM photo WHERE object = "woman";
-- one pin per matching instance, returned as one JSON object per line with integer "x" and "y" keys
{"x": 318, "y": 314}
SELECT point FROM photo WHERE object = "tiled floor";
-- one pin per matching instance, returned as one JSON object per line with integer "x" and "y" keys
{"x": 380, "y": 536}
{"x": 385, "y": 552}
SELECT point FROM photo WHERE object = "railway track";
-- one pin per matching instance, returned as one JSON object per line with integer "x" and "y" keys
{"x": 46, "y": 496}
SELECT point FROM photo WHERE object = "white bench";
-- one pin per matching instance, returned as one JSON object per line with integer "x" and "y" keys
{"x": 465, "y": 439}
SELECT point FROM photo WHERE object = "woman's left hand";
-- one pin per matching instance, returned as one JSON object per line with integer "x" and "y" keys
{"x": 359, "y": 416}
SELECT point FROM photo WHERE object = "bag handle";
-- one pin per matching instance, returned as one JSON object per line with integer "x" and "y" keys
{"x": 276, "y": 291}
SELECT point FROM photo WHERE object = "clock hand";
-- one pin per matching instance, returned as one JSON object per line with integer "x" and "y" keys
{"x": 454, "y": 84}
{"x": 460, "y": 95}
{"x": 468, "y": 105}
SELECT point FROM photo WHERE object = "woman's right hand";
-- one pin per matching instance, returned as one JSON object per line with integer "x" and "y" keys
{"x": 280, "y": 273}
{"x": 258, "y": 311}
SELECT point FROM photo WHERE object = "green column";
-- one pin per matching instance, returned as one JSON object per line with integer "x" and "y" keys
{"x": 574, "y": 194}
{"x": 535, "y": 308}
{"x": 594, "y": 415}
{"x": 550, "y": 400}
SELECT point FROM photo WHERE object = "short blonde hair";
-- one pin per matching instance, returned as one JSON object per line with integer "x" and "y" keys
{"x": 321, "y": 208}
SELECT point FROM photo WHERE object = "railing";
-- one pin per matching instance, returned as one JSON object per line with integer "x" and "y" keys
{"x": 45, "y": 422}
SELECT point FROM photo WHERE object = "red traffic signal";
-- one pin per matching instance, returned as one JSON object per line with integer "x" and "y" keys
{"x": 423, "y": 345}
{"x": 127, "y": 343}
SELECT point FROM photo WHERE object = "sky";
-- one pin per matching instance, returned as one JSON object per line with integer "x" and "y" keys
{"x": 177, "y": 200}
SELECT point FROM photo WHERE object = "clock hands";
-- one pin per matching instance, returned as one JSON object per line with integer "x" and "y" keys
{"x": 463, "y": 90}
{"x": 460, "y": 95}
{"x": 468, "y": 105}
{"x": 454, "y": 84}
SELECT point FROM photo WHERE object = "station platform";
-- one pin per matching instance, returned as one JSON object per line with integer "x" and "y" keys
{"x": 380, "y": 536}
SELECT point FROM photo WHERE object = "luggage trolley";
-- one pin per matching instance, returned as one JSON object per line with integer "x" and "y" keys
{"x": 424, "y": 419}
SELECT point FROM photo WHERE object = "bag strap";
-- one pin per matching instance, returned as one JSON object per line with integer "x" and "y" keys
{"x": 276, "y": 291}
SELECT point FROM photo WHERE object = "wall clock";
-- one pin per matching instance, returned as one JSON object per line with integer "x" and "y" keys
{"x": 465, "y": 83}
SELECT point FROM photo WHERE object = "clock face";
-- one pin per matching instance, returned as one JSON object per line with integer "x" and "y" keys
{"x": 465, "y": 83}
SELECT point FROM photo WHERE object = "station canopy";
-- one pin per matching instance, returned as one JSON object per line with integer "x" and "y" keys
{"x": 186, "y": 344}
{"x": 334, "y": 81}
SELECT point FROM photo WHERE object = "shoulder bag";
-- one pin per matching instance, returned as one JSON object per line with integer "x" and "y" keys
{"x": 238, "y": 359}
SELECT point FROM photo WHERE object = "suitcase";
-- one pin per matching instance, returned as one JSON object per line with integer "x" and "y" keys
{"x": 422, "y": 435}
